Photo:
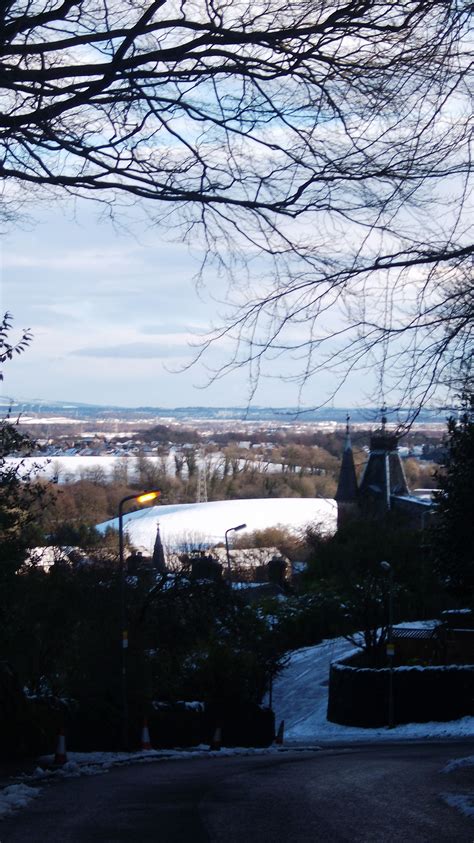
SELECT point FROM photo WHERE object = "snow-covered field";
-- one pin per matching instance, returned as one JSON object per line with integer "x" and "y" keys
{"x": 67, "y": 468}
{"x": 195, "y": 524}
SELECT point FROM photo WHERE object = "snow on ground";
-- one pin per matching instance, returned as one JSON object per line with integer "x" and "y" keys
{"x": 16, "y": 796}
{"x": 468, "y": 761}
{"x": 192, "y": 524}
{"x": 67, "y": 468}
{"x": 97, "y": 763}
{"x": 463, "y": 802}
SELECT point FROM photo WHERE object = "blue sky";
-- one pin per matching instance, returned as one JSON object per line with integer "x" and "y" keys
{"x": 113, "y": 315}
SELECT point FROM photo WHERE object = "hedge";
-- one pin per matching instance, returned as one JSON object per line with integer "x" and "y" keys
{"x": 360, "y": 696}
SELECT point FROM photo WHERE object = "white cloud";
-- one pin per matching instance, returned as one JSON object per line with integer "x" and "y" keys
{"x": 134, "y": 351}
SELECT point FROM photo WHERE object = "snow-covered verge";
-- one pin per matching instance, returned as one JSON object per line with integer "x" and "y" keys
{"x": 16, "y": 796}
{"x": 457, "y": 763}
{"x": 19, "y": 795}
{"x": 461, "y": 801}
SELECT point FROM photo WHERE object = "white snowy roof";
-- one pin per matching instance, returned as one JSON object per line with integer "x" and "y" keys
{"x": 203, "y": 524}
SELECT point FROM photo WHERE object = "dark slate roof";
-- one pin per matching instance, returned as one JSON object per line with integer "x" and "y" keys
{"x": 375, "y": 480}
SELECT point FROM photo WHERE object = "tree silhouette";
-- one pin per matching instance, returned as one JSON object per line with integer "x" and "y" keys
{"x": 322, "y": 150}
{"x": 453, "y": 529}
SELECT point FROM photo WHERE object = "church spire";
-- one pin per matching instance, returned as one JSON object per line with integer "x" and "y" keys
{"x": 347, "y": 486}
{"x": 347, "y": 443}
{"x": 158, "y": 559}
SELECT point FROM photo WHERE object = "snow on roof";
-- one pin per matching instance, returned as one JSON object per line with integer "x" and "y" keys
{"x": 416, "y": 499}
{"x": 184, "y": 526}
{"x": 46, "y": 557}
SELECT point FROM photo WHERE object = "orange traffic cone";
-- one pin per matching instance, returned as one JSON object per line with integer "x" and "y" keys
{"x": 60, "y": 756}
{"x": 216, "y": 738}
{"x": 279, "y": 734}
{"x": 146, "y": 743}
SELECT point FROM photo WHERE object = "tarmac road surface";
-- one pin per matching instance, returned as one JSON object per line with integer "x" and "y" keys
{"x": 357, "y": 794}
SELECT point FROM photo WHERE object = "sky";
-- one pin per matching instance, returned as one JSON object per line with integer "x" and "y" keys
{"x": 114, "y": 313}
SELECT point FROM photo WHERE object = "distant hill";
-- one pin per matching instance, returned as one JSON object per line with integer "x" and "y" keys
{"x": 186, "y": 414}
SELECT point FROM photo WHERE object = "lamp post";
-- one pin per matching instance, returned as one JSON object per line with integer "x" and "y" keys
{"x": 231, "y": 530}
{"x": 144, "y": 497}
{"x": 390, "y": 645}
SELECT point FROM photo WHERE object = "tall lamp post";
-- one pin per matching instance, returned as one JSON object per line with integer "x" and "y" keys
{"x": 390, "y": 645}
{"x": 144, "y": 497}
{"x": 231, "y": 530}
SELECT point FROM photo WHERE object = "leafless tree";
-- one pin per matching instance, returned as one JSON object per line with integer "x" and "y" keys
{"x": 320, "y": 152}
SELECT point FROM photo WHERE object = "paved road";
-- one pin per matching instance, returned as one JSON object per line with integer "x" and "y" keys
{"x": 356, "y": 794}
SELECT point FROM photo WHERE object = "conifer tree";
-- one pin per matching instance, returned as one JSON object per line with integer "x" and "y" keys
{"x": 453, "y": 530}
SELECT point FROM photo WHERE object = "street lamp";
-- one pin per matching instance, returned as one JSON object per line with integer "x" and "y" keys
{"x": 144, "y": 497}
{"x": 231, "y": 530}
{"x": 390, "y": 645}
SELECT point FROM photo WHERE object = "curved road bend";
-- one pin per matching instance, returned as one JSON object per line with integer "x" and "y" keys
{"x": 370, "y": 794}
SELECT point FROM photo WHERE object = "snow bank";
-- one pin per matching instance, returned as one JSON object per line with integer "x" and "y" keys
{"x": 16, "y": 796}
{"x": 461, "y": 801}
{"x": 468, "y": 761}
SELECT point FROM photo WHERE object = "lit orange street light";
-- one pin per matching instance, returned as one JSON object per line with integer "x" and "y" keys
{"x": 150, "y": 495}
{"x": 147, "y": 496}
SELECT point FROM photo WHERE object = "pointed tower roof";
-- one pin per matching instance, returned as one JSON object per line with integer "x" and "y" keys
{"x": 383, "y": 475}
{"x": 347, "y": 485}
{"x": 158, "y": 559}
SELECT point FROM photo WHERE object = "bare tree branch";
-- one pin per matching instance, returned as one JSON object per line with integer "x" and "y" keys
{"x": 321, "y": 152}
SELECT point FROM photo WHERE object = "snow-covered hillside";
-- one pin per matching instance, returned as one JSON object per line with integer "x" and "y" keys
{"x": 204, "y": 524}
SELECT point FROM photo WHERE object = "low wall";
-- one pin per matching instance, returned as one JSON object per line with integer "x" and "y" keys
{"x": 360, "y": 696}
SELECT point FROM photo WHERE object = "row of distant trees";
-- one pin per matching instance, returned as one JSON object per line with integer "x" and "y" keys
{"x": 291, "y": 471}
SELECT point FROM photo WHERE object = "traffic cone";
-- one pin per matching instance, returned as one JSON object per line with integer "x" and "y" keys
{"x": 279, "y": 734}
{"x": 216, "y": 738}
{"x": 60, "y": 756}
{"x": 146, "y": 743}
